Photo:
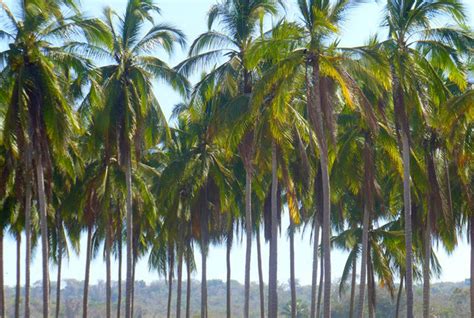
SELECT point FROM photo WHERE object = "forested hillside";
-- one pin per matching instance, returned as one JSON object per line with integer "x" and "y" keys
{"x": 448, "y": 300}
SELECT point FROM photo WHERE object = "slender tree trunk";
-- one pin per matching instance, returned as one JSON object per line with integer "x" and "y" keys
{"x": 60, "y": 264}
{"x": 204, "y": 285}
{"x": 426, "y": 267}
{"x": 326, "y": 235}
{"x": 44, "y": 232}
{"x": 403, "y": 128}
{"x": 408, "y": 226}
{"x": 179, "y": 283}
{"x": 314, "y": 276}
{"x": 87, "y": 275}
{"x": 316, "y": 117}
{"x": 129, "y": 220}
{"x": 248, "y": 231}
{"x": 399, "y": 296}
{"x": 132, "y": 309}
{"x": 261, "y": 285}
{"x": 273, "y": 259}
{"x": 2, "y": 286}
{"x": 292, "y": 269}
{"x": 370, "y": 287}
{"x": 108, "y": 246}
{"x": 188, "y": 285}
{"x": 368, "y": 207}
{"x": 228, "y": 285}
{"x": 18, "y": 276}
{"x": 119, "y": 287}
{"x": 170, "y": 280}
{"x": 472, "y": 262}
{"x": 28, "y": 248}
{"x": 363, "y": 266}
{"x": 204, "y": 251}
{"x": 320, "y": 289}
{"x": 448, "y": 184}
{"x": 353, "y": 287}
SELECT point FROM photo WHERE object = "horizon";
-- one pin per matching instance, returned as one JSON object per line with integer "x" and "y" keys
{"x": 37, "y": 284}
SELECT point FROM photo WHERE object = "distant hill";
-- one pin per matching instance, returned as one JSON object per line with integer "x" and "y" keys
{"x": 447, "y": 300}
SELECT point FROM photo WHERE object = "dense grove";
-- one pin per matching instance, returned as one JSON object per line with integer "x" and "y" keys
{"x": 369, "y": 149}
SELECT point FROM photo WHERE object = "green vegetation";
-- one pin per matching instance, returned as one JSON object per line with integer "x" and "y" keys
{"x": 370, "y": 149}
{"x": 450, "y": 300}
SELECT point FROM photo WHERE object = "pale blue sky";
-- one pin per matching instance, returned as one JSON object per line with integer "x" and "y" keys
{"x": 190, "y": 16}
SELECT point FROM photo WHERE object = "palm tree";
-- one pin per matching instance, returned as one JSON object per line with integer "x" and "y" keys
{"x": 7, "y": 209}
{"x": 13, "y": 213}
{"x": 439, "y": 216}
{"x": 410, "y": 29}
{"x": 297, "y": 310}
{"x": 91, "y": 196}
{"x": 38, "y": 112}
{"x": 456, "y": 128}
{"x": 203, "y": 164}
{"x": 240, "y": 20}
{"x": 279, "y": 122}
{"x": 323, "y": 69}
{"x": 383, "y": 243}
{"x": 126, "y": 122}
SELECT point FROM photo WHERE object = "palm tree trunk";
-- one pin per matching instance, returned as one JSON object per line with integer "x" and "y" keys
{"x": 179, "y": 283}
{"x": 228, "y": 284}
{"x": 402, "y": 124}
{"x": 2, "y": 284}
{"x": 204, "y": 250}
{"x": 399, "y": 296}
{"x": 204, "y": 285}
{"x": 129, "y": 220}
{"x": 314, "y": 276}
{"x": 133, "y": 286}
{"x": 248, "y": 231}
{"x": 28, "y": 248}
{"x": 108, "y": 245}
{"x": 326, "y": 235}
{"x": 408, "y": 226}
{"x": 273, "y": 259}
{"x": 472, "y": 261}
{"x": 188, "y": 285}
{"x": 320, "y": 289}
{"x": 316, "y": 117}
{"x": 353, "y": 287}
{"x": 426, "y": 266}
{"x": 60, "y": 264}
{"x": 292, "y": 269}
{"x": 44, "y": 232}
{"x": 370, "y": 287}
{"x": 368, "y": 208}
{"x": 119, "y": 283}
{"x": 170, "y": 280}
{"x": 18, "y": 276}
{"x": 261, "y": 285}
{"x": 448, "y": 184}
{"x": 363, "y": 266}
{"x": 87, "y": 275}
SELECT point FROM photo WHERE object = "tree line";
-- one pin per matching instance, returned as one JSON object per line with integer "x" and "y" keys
{"x": 369, "y": 148}
{"x": 150, "y": 300}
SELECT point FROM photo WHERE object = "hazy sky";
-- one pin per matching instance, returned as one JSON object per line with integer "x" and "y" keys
{"x": 190, "y": 16}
